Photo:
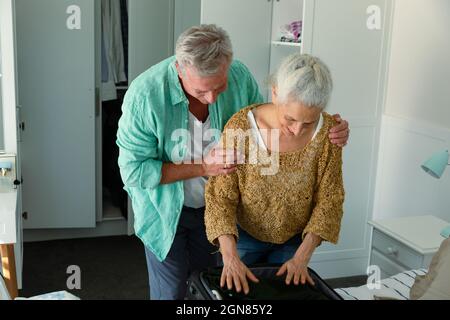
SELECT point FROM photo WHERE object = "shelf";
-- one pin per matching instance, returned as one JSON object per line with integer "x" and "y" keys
{"x": 286, "y": 44}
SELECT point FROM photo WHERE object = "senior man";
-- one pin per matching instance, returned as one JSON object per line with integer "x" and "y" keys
{"x": 165, "y": 108}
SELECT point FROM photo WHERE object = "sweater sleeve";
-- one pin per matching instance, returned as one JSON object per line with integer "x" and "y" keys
{"x": 325, "y": 220}
{"x": 222, "y": 197}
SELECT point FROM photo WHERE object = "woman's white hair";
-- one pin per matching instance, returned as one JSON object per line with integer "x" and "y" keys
{"x": 206, "y": 48}
{"x": 303, "y": 78}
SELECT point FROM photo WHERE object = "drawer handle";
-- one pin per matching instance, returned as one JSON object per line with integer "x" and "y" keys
{"x": 392, "y": 251}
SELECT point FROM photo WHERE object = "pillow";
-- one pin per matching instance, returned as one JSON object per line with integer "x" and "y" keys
{"x": 435, "y": 285}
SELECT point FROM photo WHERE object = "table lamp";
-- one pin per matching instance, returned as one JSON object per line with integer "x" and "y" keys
{"x": 435, "y": 167}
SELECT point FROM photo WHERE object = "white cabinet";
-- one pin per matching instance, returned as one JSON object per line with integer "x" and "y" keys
{"x": 151, "y": 32}
{"x": 248, "y": 24}
{"x": 59, "y": 80}
{"x": 407, "y": 243}
{"x": 56, "y": 86}
{"x": 338, "y": 33}
{"x": 254, "y": 30}
{"x": 187, "y": 14}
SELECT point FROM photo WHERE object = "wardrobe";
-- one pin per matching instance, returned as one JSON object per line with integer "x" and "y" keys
{"x": 75, "y": 60}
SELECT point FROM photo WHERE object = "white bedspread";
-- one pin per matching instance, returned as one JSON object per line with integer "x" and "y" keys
{"x": 396, "y": 287}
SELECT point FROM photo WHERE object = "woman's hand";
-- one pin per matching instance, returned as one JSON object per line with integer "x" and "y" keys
{"x": 297, "y": 267}
{"x": 235, "y": 272}
{"x": 340, "y": 134}
{"x": 297, "y": 270}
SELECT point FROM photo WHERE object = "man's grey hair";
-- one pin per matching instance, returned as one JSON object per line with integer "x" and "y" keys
{"x": 206, "y": 48}
{"x": 303, "y": 78}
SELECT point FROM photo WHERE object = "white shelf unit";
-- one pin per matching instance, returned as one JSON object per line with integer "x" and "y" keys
{"x": 286, "y": 44}
{"x": 283, "y": 12}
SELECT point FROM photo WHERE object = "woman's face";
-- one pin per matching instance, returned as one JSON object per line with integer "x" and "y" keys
{"x": 296, "y": 119}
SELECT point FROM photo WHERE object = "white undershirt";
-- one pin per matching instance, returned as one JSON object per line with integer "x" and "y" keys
{"x": 259, "y": 138}
{"x": 194, "y": 189}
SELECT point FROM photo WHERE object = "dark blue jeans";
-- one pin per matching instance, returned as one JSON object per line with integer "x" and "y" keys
{"x": 190, "y": 251}
{"x": 253, "y": 251}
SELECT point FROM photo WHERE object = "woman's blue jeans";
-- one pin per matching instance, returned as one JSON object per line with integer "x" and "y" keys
{"x": 253, "y": 251}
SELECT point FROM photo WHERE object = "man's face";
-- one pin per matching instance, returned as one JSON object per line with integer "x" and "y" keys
{"x": 205, "y": 89}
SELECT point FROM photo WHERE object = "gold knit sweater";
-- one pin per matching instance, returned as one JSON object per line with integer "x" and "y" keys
{"x": 306, "y": 195}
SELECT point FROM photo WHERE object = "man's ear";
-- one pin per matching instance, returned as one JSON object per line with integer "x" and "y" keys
{"x": 180, "y": 73}
{"x": 274, "y": 94}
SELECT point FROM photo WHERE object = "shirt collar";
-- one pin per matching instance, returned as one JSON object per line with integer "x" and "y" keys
{"x": 176, "y": 91}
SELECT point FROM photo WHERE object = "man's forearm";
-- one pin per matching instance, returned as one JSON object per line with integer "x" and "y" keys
{"x": 179, "y": 172}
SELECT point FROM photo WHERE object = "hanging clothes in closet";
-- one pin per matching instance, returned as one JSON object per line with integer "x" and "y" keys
{"x": 113, "y": 56}
{"x": 112, "y": 182}
{"x": 124, "y": 21}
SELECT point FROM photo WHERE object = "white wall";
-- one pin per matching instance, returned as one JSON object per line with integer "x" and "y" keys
{"x": 417, "y": 112}
{"x": 419, "y": 79}
{"x": 403, "y": 188}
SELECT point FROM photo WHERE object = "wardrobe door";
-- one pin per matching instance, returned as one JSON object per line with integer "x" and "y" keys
{"x": 351, "y": 37}
{"x": 249, "y": 25}
{"x": 56, "y": 85}
{"x": 187, "y": 14}
{"x": 151, "y": 28}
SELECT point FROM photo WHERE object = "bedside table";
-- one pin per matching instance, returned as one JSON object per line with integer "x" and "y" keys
{"x": 406, "y": 243}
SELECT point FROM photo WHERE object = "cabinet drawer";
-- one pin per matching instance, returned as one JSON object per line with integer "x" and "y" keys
{"x": 396, "y": 251}
{"x": 387, "y": 267}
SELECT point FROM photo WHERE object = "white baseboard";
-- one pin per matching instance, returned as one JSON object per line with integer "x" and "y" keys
{"x": 103, "y": 229}
{"x": 340, "y": 268}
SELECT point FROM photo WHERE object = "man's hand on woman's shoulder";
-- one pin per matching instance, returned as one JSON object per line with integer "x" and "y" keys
{"x": 340, "y": 134}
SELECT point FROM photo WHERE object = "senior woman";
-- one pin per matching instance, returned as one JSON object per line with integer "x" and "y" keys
{"x": 283, "y": 216}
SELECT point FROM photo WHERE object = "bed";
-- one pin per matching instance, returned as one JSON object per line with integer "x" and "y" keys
{"x": 396, "y": 287}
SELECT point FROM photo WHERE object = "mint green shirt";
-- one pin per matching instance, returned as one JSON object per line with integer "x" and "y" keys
{"x": 154, "y": 107}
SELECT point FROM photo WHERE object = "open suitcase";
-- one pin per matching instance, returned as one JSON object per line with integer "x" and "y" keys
{"x": 205, "y": 285}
